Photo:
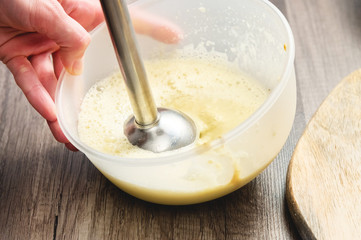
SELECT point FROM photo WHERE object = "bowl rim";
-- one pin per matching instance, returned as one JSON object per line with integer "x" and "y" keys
{"x": 188, "y": 151}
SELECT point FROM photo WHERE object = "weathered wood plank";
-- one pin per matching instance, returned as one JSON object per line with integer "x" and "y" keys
{"x": 324, "y": 176}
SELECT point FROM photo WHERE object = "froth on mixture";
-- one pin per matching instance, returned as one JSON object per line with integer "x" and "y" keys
{"x": 216, "y": 96}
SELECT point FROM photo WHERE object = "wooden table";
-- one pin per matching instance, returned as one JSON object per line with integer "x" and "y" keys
{"x": 47, "y": 192}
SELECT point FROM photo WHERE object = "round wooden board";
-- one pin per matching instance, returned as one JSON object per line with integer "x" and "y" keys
{"x": 324, "y": 175}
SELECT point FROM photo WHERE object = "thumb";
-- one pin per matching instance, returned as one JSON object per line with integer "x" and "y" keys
{"x": 51, "y": 20}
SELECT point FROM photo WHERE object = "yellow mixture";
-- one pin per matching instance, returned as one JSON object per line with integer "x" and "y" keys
{"x": 215, "y": 96}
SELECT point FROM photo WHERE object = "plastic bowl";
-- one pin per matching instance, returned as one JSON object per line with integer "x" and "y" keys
{"x": 252, "y": 33}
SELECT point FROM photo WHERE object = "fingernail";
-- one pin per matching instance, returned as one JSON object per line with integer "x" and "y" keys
{"x": 77, "y": 67}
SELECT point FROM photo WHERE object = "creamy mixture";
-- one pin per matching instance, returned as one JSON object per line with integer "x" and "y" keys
{"x": 216, "y": 97}
{"x": 213, "y": 94}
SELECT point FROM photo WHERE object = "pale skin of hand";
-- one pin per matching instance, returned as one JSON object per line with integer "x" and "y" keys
{"x": 38, "y": 38}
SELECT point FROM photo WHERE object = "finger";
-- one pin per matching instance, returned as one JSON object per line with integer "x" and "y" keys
{"x": 59, "y": 135}
{"x": 88, "y": 13}
{"x": 156, "y": 27}
{"x": 71, "y": 147}
{"x": 58, "y": 66}
{"x": 44, "y": 68}
{"x": 51, "y": 20}
{"x": 27, "y": 79}
{"x": 57, "y": 132}
{"x": 26, "y": 45}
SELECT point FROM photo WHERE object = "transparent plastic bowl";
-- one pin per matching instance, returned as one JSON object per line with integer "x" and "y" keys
{"x": 252, "y": 33}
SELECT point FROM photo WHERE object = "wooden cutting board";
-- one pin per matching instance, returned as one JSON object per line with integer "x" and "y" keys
{"x": 324, "y": 175}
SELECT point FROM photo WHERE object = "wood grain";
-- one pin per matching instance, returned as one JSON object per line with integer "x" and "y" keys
{"x": 47, "y": 192}
{"x": 327, "y": 36}
{"x": 324, "y": 176}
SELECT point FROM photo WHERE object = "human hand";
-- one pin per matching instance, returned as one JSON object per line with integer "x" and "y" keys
{"x": 33, "y": 30}
{"x": 40, "y": 37}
